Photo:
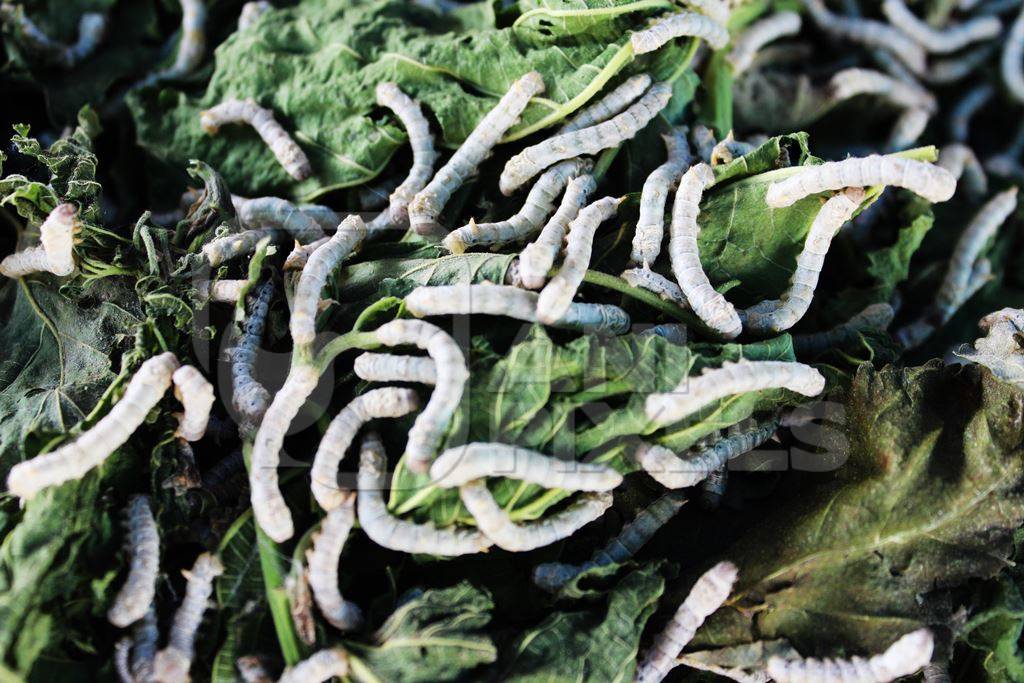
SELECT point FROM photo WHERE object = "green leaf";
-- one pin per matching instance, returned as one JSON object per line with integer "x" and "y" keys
{"x": 996, "y": 633}
{"x": 716, "y": 103}
{"x": 600, "y": 20}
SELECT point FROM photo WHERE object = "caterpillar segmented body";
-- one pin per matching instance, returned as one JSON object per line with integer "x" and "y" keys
{"x": 674, "y": 333}
{"x": 122, "y": 652}
{"x": 136, "y": 596}
{"x": 319, "y": 667}
{"x": 220, "y": 291}
{"x": 902, "y": 658}
{"x": 232, "y": 246}
{"x": 713, "y": 488}
{"x": 539, "y": 256}
{"x": 298, "y": 257}
{"x": 191, "y": 45}
{"x": 55, "y": 253}
{"x": 961, "y": 162}
{"x": 940, "y": 41}
{"x": 759, "y": 34}
{"x": 428, "y": 203}
{"x": 645, "y": 278}
{"x": 966, "y": 108}
{"x": 251, "y": 12}
{"x": 388, "y": 367}
{"x": 852, "y": 82}
{"x": 462, "y": 464}
{"x": 323, "y": 567}
{"x": 196, "y": 394}
{"x": 679, "y": 25}
{"x": 610, "y": 105}
{"x": 145, "y": 634}
{"x": 249, "y": 397}
{"x": 284, "y": 148}
{"x": 650, "y": 226}
{"x": 174, "y": 661}
{"x": 870, "y": 33}
{"x": 611, "y": 133}
{"x": 953, "y": 69}
{"x": 273, "y": 212}
{"x": 717, "y": 10}
{"x": 92, "y": 28}
{"x": 1012, "y": 62}
{"x": 874, "y": 317}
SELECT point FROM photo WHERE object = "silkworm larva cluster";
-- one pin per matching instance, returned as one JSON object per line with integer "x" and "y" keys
{"x": 232, "y": 246}
{"x": 940, "y": 41}
{"x": 196, "y": 395}
{"x": 273, "y": 212}
{"x": 55, "y": 253}
{"x": 248, "y": 396}
{"x": 870, "y": 33}
{"x": 539, "y": 256}
{"x": 650, "y": 226}
{"x": 904, "y": 657}
{"x": 679, "y": 25}
{"x": 319, "y": 667}
{"x": 284, "y": 148}
{"x": 961, "y": 162}
{"x": 610, "y": 105}
{"x": 174, "y": 661}
{"x": 251, "y": 11}
{"x": 759, "y": 34}
{"x": 462, "y": 464}
{"x": 323, "y": 560}
{"x": 1012, "y": 62}
{"x": 389, "y": 367}
{"x": 137, "y": 593}
{"x": 874, "y": 317}
{"x": 645, "y": 278}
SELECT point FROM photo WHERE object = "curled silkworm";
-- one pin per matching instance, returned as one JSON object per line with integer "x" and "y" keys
{"x": 960, "y": 161}
{"x": 249, "y": 397}
{"x": 539, "y": 204}
{"x": 388, "y": 367}
{"x": 251, "y": 12}
{"x": 923, "y": 179}
{"x": 55, "y": 251}
{"x": 462, "y": 464}
{"x": 323, "y": 567}
{"x": 873, "y": 317}
{"x": 220, "y": 291}
{"x": 91, "y": 449}
{"x": 902, "y": 658}
{"x": 709, "y": 305}
{"x": 136, "y": 596}
{"x": 196, "y": 394}
{"x": 428, "y": 203}
{"x": 1012, "y": 62}
{"x": 239, "y": 244}
{"x": 679, "y": 25}
{"x": 693, "y": 393}
{"x": 285, "y": 149}
{"x": 556, "y": 297}
{"x": 870, "y": 33}
{"x": 399, "y": 534}
{"x": 319, "y": 667}
{"x": 965, "y": 109}
{"x": 650, "y": 226}
{"x": 718, "y": 10}
{"x": 852, "y": 82}
{"x": 314, "y": 276}
{"x": 958, "y": 67}
{"x": 706, "y": 596}
{"x": 92, "y": 28}
{"x": 750, "y": 42}
{"x": 940, "y": 41}
{"x": 592, "y": 140}
{"x": 539, "y": 256}
{"x": 496, "y": 524}
{"x": 610, "y": 105}
{"x": 377, "y": 403}
{"x": 645, "y": 278}
{"x": 174, "y": 661}
{"x": 703, "y": 140}
{"x": 674, "y": 333}
{"x": 273, "y": 212}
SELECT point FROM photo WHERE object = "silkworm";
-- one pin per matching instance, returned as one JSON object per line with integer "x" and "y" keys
{"x": 284, "y": 148}
{"x": 759, "y": 34}
{"x": 595, "y": 319}
{"x": 298, "y": 257}
{"x": 539, "y": 204}
{"x": 709, "y": 305}
{"x": 1012, "y": 62}
{"x": 136, "y": 595}
{"x": 122, "y": 651}
{"x": 145, "y": 634}
{"x": 450, "y": 367}
{"x": 318, "y": 667}
{"x": 611, "y": 133}
{"x": 873, "y": 317}
{"x": 389, "y": 367}
{"x": 923, "y": 179}
{"x": 953, "y": 69}
{"x": 674, "y": 333}
{"x": 174, "y": 661}
{"x": 191, "y": 46}
{"x": 551, "y": 576}
{"x": 377, "y": 403}
{"x": 650, "y": 226}
{"x": 781, "y": 315}
{"x": 679, "y": 25}
{"x": 92, "y": 448}
{"x": 870, "y": 33}
{"x": 693, "y": 393}
{"x": 717, "y": 10}
{"x": 239, "y": 244}
{"x": 645, "y": 278}
{"x": 495, "y": 523}
{"x": 608, "y": 106}
{"x": 462, "y": 464}
{"x": 251, "y": 669}
{"x": 323, "y": 567}
{"x": 713, "y": 488}
{"x": 92, "y": 27}
{"x": 850, "y": 83}
{"x": 314, "y": 276}
{"x": 706, "y": 596}
{"x": 248, "y": 396}
{"x": 399, "y": 534}
{"x": 703, "y": 140}
{"x": 965, "y": 109}
{"x": 539, "y": 256}
{"x": 251, "y": 12}
{"x": 960, "y": 161}
{"x": 196, "y": 395}
{"x": 273, "y": 212}
{"x": 220, "y": 291}
{"x": 556, "y": 297}
{"x": 427, "y": 204}
{"x": 728, "y": 149}
{"x": 940, "y": 41}
{"x": 902, "y": 658}
{"x": 55, "y": 253}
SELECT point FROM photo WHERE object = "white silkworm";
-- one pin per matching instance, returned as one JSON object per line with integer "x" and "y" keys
{"x": 251, "y": 12}
{"x": 1012, "y": 62}
{"x": 693, "y": 393}
{"x": 55, "y": 251}
{"x": 298, "y": 257}
{"x": 873, "y": 317}
{"x": 539, "y": 204}
{"x": 680, "y": 25}
{"x": 251, "y": 668}
{"x": 718, "y": 10}
{"x": 650, "y": 225}
{"x": 172, "y": 664}
{"x": 191, "y": 45}
{"x": 323, "y": 567}
{"x": 462, "y": 464}
{"x": 249, "y": 397}
{"x": 759, "y": 34}
{"x": 145, "y": 634}
{"x": 399, "y": 534}
{"x": 539, "y": 256}
{"x": 136, "y": 595}
{"x": 92, "y": 27}
{"x": 940, "y": 41}
{"x": 611, "y": 133}
{"x": 377, "y": 403}
{"x": 314, "y": 276}
{"x": 870, "y": 33}
{"x": 704, "y": 142}
{"x": 965, "y": 109}
{"x": 428, "y": 203}
{"x": 92, "y": 448}
{"x": 239, "y": 244}
{"x": 610, "y": 105}
{"x": 923, "y": 179}
{"x": 902, "y": 658}
{"x": 852, "y": 82}
{"x": 319, "y": 667}
{"x": 706, "y": 596}
{"x": 496, "y": 524}
{"x": 674, "y": 333}
{"x": 285, "y": 149}
{"x": 953, "y": 69}
{"x": 556, "y": 297}
{"x": 960, "y": 161}
{"x": 388, "y": 367}
{"x": 122, "y": 651}
{"x": 709, "y": 305}
{"x": 220, "y": 291}
{"x": 450, "y": 367}
{"x": 645, "y": 278}
{"x": 196, "y": 394}
{"x": 273, "y": 212}
{"x": 908, "y": 129}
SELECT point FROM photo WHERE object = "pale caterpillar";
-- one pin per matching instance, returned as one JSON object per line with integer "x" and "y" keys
{"x": 1005, "y": 164}
{"x": 727, "y": 149}
{"x": 608, "y": 106}
{"x": 55, "y": 251}
{"x": 759, "y": 34}
{"x": 145, "y": 634}
{"x": 463, "y": 464}
{"x": 172, "y": 663}
{"x": 298, "y": 257}
{"x": 387, "y": 367}
{"x": 645, "y": 278}
{"x": 650, "y": 225}
{"x": 496, "y": 524}
{"x": 902, "y": 658}
{"x": 704, "y": 142}
{"x": 852, "y": 82}
{"x": 923, "y": 179}
{"x": 893, "y": 66}
{"x": 92, "y": 27}
{"x": 679, "y": 25}
{"x": 231, "y": 246}
{"x": 249, "y": 397}
{"x": 314, "y": 276}
{"x": 398, "y": 534}
{"x": 196, "y": 395}
{"x": 780, "y": 315}
{"x": 870, "y": 33}
{"x": 251, "y": 669}
{"x": 427, "y": 204}
{"x": 551, "y": 576}
{"x": 251, "y": 11}
{"x": 376, "y": 403}
{"x": 718, "y": 10}
{"x": 960, "y": 161}
{"x": 285, "y": 149}
{"x": 709, "y": 305}
{"x": 319, "y": 667}
{"x": 965, "y": 109}
{"x": 135, "y": 597}
{"x": 220, "y": 291}
{"x": 273, "y": 212}
{"x": 693, "y": 393}
{"x": 935, "y": 673}
{"x": 953, "y": 69}
{"x": 940, "y": 41}
{"x": 191, "y": 46}
{"x": 537, "y": 206}
{"x": 913, "y": 334}
{"x": 674, "y": 333}
{"x": 93, "y": 447}
{"x": 713, "y": 488}
{"x": 556, "y": 297}
{"x": 706, "y": 596}
{"x": 1012, "y": 62}
{"x": 323, "y": 567}
{"x": 873, "y": 317}
{"x": 122, "y": 651}
{"x": 611, "y": 133}
{"x": 539, "y": 256}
